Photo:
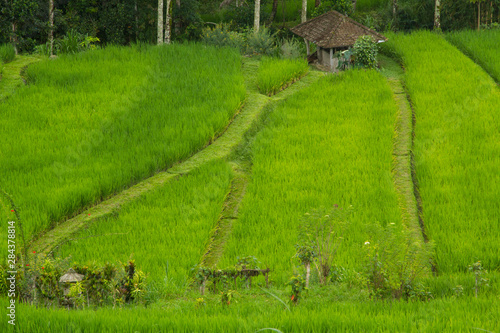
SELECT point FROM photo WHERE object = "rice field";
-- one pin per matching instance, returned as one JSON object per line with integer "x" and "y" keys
{"x": 276, "y": 74}
{"x": 466, "y": 314}
{"x": 328, "y": 144}
{"x": 165, "y": 231}
{"x": 482, "y": 46}
{"x": 91, "y": 124}
{"x": 457, "y": 149}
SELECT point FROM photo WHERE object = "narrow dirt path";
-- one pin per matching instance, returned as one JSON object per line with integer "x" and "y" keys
{"x": 222, "y": 147}
{"x": 404, "y": 177}
{"x": 11, "y": 76}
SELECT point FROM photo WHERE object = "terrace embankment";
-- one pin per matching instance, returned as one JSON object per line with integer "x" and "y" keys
{"x": 221, "y": 148}
{"x": 11, "y": 76}
{"x": 241, "y": 165}
{"x": 403, "y": 171}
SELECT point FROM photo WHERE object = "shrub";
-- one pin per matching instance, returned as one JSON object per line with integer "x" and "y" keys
{"x": 71, "y": 43}
{"x": 396, "y": 263}
{"x": 221, "y": 36}
{"x": 261, "y": 43}
{"x": 365, "y": 52}
{"x": 7, "y": 53}
{"x": 43, "y": 49}
{"x": 289, "y": 49}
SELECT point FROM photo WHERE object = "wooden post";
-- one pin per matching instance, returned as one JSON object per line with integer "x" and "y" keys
{"x": 202, "y": 286}
{"x": 307, "y": 47}
{"x": 331, "y": 59}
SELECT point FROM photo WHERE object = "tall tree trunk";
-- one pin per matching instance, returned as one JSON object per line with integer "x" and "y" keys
{"x": 317, "y": 3}
{"x": 491, "y": 12}
{"x": 478, "y": 15}
{"x": 256, "y": 21}
{"x": 168, "y": 23}
{"x": 160, "y": 22}
{"x": 274, "y": 10}
{"x": 354, "y": 5}
{"x": 13, "y": 37}
{"x": 178, "y": 21}
{"x": 394, "y": 9}
{"x": 437, "y": 15}
{"x": 51, "y": 26}
{"x": 136, "y": 16}
{"x": 303, "y": 13}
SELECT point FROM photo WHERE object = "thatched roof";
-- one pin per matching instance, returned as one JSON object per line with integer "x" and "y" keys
{"x": 334, "y": 30}
{"x": 71, "y": 276}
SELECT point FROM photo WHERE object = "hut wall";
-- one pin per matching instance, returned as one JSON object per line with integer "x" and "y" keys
{"x": 324, "y": 58}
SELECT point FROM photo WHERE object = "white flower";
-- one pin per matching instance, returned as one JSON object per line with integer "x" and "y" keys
{"x": 367, "y": 243}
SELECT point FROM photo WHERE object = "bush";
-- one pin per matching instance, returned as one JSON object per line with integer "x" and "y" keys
{"x": 220, "y": 36}
{"x": 261, "y": 43}
{"x": 289, "y": 49}
{"x": 7, "y": 53}
{"x": 70, "y": 43}
{"x": 397, "y": 263}
{"x": 365, "y": 52}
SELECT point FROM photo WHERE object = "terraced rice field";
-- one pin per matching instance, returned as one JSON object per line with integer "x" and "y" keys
{"x": 482, "y": 46}
{"x": 92, "y": 124}
{"x": 166, "y": 231}
{"x": 329, "y": 144}
{"x": 457, "y": 149}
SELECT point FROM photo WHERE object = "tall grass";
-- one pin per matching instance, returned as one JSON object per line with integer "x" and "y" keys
{"x": 276, "y": 74}
{"x": 7, "y": 53}
{"x": 328, "y": 144}
{"x": 457, "y": 149}
{"x": 166, "y": 231}
{"x": 483, "y": 47}
{"x": 91, "y": 124}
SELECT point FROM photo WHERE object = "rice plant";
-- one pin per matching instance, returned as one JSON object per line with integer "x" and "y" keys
{"x": 276, "y": 74}
{"x": 330, "y": 144}
{"x": 251, "y": 315}
{"x": 482, "y": 46}
{"x": 7, "y": 53}
{"x": 457, "y": 149}
{"x": 166, "y": 231}
{"x": 90, "y": 124}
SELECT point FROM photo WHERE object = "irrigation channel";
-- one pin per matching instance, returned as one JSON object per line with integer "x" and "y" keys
{"x": 223, "y": 147}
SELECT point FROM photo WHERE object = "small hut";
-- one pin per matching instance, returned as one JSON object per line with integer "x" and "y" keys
{"x": 332, "y": 32}
{"x": 70, "y": 278}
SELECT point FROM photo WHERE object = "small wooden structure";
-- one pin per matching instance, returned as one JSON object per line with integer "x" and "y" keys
{"x": 69, "y": 278}
{"x": 332, "y": 32}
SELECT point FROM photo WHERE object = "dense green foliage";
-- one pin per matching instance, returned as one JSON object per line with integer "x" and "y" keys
{"x": 329, "y": 144}
{"x": 276, "y": 74}
{"x": 365, "y": 52}
{"x": 90, "y": 124}
{"x": 166, "y": 231}
{"x": 457, "y": 149}
{"x": 483, "y": 47}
